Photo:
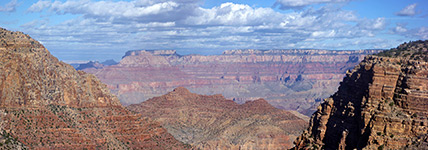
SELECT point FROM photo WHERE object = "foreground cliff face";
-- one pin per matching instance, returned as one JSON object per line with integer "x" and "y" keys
{"x": 381, "y": 104}
{"x": 46, "y": 104}
{"x": 288, "y": 79}
{"x": 212, "y": 122}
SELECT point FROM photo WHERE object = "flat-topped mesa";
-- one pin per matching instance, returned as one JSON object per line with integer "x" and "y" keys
{"x": 151, "y": 52}
{"x": 47, "y": 104}
{"x": 297, "y": 52}
{"x": 381, "y": 104}
{"x": 148, "y": 58}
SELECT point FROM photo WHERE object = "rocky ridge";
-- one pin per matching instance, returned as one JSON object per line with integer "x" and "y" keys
{"x": 381, "y": 104}
{"x": 47, "y": 104}
{"x": 288, "y": 79}
{"x": 213, "y": 122}
{"x": 94, "y": 64}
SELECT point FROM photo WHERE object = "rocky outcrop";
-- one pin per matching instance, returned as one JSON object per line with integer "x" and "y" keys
{"x": 47, "y": 104}
{"x": 213, "y": 122}
{"x": 94, "y": 64}
{"x": 381, "y": 104}
{"x": 90, "y": 64}
{"x": 289, "y": 79}
{"x": 9, "y": 142}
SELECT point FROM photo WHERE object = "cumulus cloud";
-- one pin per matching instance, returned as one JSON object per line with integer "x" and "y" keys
{"x": 185, "y": 25}
{"x": 408, "y": 10}
{"x": 417, "y": 33}
{"x": 287, "y": 4}
{"x": 422, "y": 33}
{"x": 400, "y": 28}
{"x": 139, "y": 10}
{"x": 373, "y": 24}
{"x": 9, "y": 7}
{"x": 234, "y": 14}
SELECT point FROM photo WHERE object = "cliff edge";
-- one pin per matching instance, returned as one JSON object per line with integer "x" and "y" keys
{"x": 381, "y": 104}
{"x": 47, "y": 104}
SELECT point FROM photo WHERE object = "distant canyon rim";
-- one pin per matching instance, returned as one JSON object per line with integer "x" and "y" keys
{"x": 288, "y": 79}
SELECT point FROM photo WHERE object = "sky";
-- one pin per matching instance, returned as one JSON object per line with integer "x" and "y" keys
{"x": 82, "y": 30}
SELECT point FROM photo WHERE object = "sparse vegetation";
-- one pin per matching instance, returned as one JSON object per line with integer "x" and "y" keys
{"x": 416, "y": 50}
{"x": 381, "y": 147}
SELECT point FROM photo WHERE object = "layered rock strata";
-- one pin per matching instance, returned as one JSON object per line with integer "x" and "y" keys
{"x": 289, "y": 79}
{"x": 381, "y": 104}
{"x": 47, "y": 104}
{"x": 213, "y": 122}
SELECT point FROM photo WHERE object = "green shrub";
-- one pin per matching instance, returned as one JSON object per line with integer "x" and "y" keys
{"x": 381, "y": 147}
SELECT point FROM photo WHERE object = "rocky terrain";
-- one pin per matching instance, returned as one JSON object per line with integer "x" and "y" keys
{"x": 94, "y": 64}
{"x": 381, "y": 104}
{"x": 213, "y": 122}
{"x": 288, "y": 79}
{"x": 47, "y": 104}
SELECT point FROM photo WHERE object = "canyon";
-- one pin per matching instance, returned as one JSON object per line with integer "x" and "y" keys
{"x": 288, "y": 79}
{"x": 213, "y": 122}
{"x": 47, "y": 104}
{"x": 381, "y": 104}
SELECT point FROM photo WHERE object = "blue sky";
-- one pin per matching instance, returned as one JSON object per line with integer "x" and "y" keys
{"x": 81, "y": 30}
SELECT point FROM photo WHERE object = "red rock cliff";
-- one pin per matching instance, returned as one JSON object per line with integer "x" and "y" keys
{"x": 381, "y": 104}
{"x": 289, "y": 79}
{"x": 47, "y": 104}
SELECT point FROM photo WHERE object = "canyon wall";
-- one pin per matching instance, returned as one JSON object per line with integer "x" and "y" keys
{"x": 381, "y": 104}
{"x": 213, "y": 122}
{"x": 47, "y": 104}
{"x": 287, "y": 79}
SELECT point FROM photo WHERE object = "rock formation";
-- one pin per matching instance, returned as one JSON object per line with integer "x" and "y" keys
{"x": 212, "y": 122}
{"x": 47, "y": 104}
{"x": 381, "y": 104}
{"x": 289, "y": 79}
{"x": 94, "y": 64}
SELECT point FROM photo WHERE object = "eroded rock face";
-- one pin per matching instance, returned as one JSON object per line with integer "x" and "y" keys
{"x": 289, "y": 79}
{"x": 47, "y": 104}
{"x": 381, "y": 104}
{"x": 213, "y": 122}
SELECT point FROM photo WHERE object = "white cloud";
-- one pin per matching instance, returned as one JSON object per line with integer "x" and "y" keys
{"x": 184, "y": 24}
{"x": 419, "y": 33}
{"x": 373, "y": 24}
{"x": 422, "y": 33}
{"x": 39, "y": 6}
{"x": 9, "y": 7}
{"x": 140, "y": 10}
{"x": 408, "y": 10}
{"x": 287, "y": 4}
{"x": 400, "y": 28}
{"x": 234, "y": 14}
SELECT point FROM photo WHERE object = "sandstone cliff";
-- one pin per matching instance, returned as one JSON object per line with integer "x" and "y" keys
{"x": 381, "y": 104}
{"x": 212, "y": 122}
{"x": 47, "y": 104}
{"x": 289, "y": 79}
